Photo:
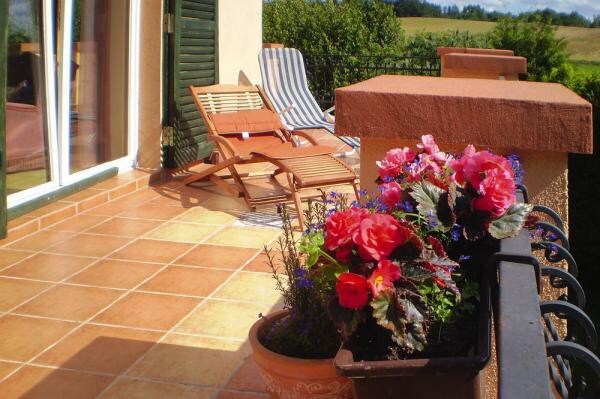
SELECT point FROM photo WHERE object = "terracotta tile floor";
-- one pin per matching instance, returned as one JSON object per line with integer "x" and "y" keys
{"x": 130, "y": 291}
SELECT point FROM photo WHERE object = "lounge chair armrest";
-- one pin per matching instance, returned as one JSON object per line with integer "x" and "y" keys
{"x": 304, "y": 135}
{"x": 225, "y": 143}
{"x": 328, "y": 114}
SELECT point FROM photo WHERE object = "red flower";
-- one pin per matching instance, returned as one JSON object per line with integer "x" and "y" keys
{"x": 383, "y": 276}
{"x": 391, "y": 194}
{"x": 437, "y": 246}
{"x": 378, "y": 235}
{"x": 340, "y": 227}
{"x": 352, "y": 290}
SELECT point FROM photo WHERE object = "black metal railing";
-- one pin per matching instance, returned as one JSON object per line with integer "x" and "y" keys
{"x": 531, "y": 351}
{"x": 326, "y": 72}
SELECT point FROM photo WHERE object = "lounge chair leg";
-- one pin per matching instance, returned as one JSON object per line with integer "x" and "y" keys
{"x": 297, "y": 201}
{"x": 356, "y": 191}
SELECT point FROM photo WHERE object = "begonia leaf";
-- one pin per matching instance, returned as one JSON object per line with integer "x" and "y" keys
{"x": 509, "y": 224}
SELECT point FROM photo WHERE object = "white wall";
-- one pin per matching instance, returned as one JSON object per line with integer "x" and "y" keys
{"x": 240, "y": 39}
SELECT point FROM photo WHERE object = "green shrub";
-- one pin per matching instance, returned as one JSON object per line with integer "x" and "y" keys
{"x": 547, "y": 57}
{"x": 353, "y": 27}
{"x": 424, "y": 44}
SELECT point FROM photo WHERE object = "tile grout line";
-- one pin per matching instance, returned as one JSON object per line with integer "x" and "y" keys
{"x": 176, "y": 325}
{"x": 82, "y": 324}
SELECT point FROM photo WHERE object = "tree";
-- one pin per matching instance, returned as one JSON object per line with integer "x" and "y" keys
{"x": 546, "y": 54}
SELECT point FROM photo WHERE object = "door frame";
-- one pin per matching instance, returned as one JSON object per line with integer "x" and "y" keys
{"x": 3, "y": 157}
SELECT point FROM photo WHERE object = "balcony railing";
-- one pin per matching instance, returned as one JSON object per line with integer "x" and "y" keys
{"x": 326, "y": 72}
{"x": 534, "y": 359}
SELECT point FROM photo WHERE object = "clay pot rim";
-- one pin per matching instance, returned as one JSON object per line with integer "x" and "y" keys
{"x": 261, "y": 352}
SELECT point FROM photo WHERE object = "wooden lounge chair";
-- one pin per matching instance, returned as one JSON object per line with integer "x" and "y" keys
{"x": 244, "y": 130}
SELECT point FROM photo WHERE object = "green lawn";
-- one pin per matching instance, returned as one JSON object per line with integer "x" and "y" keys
{"x": 584, "y": 43}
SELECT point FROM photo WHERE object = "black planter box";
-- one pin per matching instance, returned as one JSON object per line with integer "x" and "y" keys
{"x": 443, "y": 377}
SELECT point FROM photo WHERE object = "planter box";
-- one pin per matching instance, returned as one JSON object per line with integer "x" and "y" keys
{"x": 444, "y": 377}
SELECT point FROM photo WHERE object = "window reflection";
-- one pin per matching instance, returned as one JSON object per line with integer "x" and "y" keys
{"x": 98, "y": 82}
{"x": 26, "y": 133}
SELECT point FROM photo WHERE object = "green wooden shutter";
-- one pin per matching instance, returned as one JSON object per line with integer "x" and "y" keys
{"x": 3, "y": 49}
{"x": 194, "y": 62}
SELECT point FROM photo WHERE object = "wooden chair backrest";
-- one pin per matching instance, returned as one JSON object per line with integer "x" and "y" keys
{"x": 225, "y": 98}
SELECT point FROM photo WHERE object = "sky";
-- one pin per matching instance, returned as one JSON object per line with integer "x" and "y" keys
{"x": 587, "y": 8}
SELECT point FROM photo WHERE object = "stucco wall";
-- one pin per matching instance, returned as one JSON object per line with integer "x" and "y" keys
{"x": 150, "y": 67}
{"x": 240, "y": 39}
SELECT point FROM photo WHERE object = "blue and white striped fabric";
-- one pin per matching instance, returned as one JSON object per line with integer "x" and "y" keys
{"x": 285, "y": 84}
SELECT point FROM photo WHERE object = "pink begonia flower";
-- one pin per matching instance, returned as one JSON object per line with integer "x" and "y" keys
{"x": 497, "y": 193}
{"x": 391, "y": 194}
{"x": 383, "y": 276}
{"x": 491, "y": 176}
{"x": 394, "y": 161}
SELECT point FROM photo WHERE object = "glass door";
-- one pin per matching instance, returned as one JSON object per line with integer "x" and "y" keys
{"x": 3, "y": 52}
{"x": 69, "y": 92}
{"x": 30, "y": 137}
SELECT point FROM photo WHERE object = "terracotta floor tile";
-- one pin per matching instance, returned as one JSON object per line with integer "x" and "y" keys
{"x": 78, "y": 223}
{"x": 70, "y": 302}
{"x": 9, "y": 257}
{"x": 125, "y": 227}
{"x": 83, "y": 195}
{"x": 127, "y": 388}
{"x": 261, "y": 263}
{"x": 247, "y": 378}
{"x": 186, "y": 281}
{"x": 223, "y": 319}
{"x": 249, "y": 286}
{"x": 89, "y": 245}
{"x": 44, "y": 383}
{"x": 241, "y": 395}
{"x": 217, "y": 256}
{"x": 41, "y": 240}
{"x": 14, "y": 292}
{"x": 223, "y": 203}
{"x": 202, "y": 215}
{"x": 6, "y": 368}
{"x": 153, "y": 212}
{"x": 50, "y": 208}
{"x": 152, "y": 251}
{"x": 111, "y": 208}
{"x": 21, "y": 338}
{"x": 100, "y": 349}
{"x": 182, "y": 232}
{"x": 48, "y": 267}
{"x": 248, "y": 237}
{"x": 152, "y": 311}
{"x": 115, "y": 273}
{"x": 191, "y": 360}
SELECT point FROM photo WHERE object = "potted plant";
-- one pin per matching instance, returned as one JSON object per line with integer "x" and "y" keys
{"x": 294, "y": 347}
{"x": 411, "y": 291}
{"x": 402, "y": 275}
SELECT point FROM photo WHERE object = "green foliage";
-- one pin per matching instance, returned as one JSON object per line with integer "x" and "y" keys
{"x": 425, "y": 44}
{"x": 475, "y": 12}
{"x": 307, "y": 332}
{"x": 536, "y": 40}
{"x": 440, "y": 302}
{"x": 509, "y": 224}
{"x": 17, "y": 34}
{"x": 351, "y": 27}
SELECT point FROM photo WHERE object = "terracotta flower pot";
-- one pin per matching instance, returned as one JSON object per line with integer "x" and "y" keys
{"x": 294, "y": 378}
